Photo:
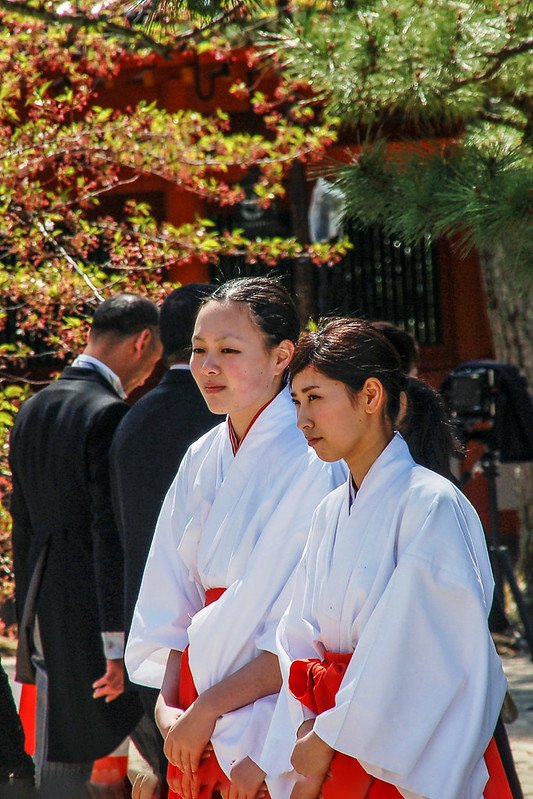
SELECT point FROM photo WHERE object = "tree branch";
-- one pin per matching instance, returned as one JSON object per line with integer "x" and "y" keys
{"x": 71, "y": 261}
{"x": 500, "y": 56}
{"x": 139, "y": 37}
{"x": 135, "y": 35}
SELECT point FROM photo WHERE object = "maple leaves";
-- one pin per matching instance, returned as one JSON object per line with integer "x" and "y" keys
{"x": 60, "y": 153}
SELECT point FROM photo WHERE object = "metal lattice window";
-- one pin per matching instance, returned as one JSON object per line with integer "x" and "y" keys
{"x": 382, "y": 278}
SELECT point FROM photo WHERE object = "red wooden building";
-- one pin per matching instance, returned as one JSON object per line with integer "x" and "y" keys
{"x": 431, "y": 290}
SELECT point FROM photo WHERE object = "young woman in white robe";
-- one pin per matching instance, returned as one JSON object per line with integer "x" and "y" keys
{"x": 229, "y": 537}
{"x": 392, "y": 685}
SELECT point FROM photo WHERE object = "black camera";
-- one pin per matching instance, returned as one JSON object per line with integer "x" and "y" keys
{"x": 490, "y": 402}
{"x": 471, "y": 394}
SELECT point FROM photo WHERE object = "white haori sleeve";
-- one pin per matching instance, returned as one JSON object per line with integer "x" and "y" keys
{"x": 168, "y": 597}
{"x": 421, "y": 695}
{"x": 242, "y": 622}
{"x": 296, "y": 639}
{"x": 295, "y": 539}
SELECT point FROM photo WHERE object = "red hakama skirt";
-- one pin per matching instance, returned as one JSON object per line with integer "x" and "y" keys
{"x": 315, "y": 684}
{"x": 210, "y": 776}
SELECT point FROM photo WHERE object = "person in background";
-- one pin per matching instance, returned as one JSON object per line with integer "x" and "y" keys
{"x": 432, "y": 441}
{"x": 68, "y": 559}
{"x": 229, "y": 536}
{"x": 392, "y": 685}
{"x": 405, "y": 345}
{"x": 146, "y": 452}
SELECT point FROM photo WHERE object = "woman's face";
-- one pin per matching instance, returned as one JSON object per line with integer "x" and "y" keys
{"x": 340, "y": 425}
{"x": 329, "y": 417}
{"x": 235, "y": 371}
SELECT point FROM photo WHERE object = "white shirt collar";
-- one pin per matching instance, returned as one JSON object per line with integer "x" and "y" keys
{"x": 89, "y": 362}
{"x": 184, "y": 366}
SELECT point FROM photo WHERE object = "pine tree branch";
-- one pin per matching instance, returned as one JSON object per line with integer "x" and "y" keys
{"x": 500, "y": 56}
{"x": 498, "y": 119}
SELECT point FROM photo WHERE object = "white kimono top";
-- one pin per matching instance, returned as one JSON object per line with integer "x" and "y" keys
{"x": 400, "y": 577}
{"x": 238, "y": 522}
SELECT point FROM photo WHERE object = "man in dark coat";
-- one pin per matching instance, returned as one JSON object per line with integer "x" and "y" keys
{"x": 147, "y": 450}
{"x": 68, "y": 556}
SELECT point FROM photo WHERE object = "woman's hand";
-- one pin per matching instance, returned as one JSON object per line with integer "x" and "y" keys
{"x": 311, "y": 757}
{"x": 185, "y": 785}
{"x": 165, "y": 717}
{"x": 247, "y": 780}
{"x": 304, "y": 728}
{"x": 307, "y": 788}
{"x": 188, "y": 737}
{"x": 146, "y": 786}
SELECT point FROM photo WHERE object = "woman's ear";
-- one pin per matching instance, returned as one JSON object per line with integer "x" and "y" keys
{"x": 284, "y": 353}
{"x": 373, "y": 396}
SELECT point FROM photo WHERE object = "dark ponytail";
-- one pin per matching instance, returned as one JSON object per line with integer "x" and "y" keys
{"x": 353, "y": 350}
{"x": 427, "y": 428}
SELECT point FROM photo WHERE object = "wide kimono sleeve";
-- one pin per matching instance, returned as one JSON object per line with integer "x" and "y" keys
{"x": 297, "y": 637}
{"x": 169, "y": 596}
{"x": 420, "y": 698}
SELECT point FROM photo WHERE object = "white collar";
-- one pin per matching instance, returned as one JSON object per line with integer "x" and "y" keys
{"x": 85, "y": 361}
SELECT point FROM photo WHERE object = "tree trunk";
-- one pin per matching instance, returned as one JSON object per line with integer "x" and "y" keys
{"x": 511, "y": 319}
{"x": 303, "y": 268}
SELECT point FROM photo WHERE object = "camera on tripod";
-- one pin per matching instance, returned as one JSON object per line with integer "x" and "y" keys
{"x": 490, "y": 402}
{"x": 471, "y": 394}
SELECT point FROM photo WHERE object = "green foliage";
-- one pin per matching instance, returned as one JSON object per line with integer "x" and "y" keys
{"x": 478, "y": 193}
{"x": 61, "y": 152}
{"x": 420, "y": 64}
{"x": 11, "y": 396}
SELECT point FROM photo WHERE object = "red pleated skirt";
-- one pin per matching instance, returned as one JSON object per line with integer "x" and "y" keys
{"x": 210, "y": 775}
{"x": 315, "y": 683}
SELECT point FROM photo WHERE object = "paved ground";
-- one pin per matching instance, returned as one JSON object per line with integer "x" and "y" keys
{"x": 519, "y": 670}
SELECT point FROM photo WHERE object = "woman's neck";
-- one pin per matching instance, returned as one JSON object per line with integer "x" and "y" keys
{"x": 367, "y": 453}
{"x": 243, "y": 421}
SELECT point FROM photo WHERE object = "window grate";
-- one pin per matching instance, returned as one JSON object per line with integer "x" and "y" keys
{"x": 383, "y": 278}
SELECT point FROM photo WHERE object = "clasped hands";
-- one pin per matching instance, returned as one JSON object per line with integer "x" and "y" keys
{"x": 311, "y": 759}
{"x": 187, "y": 742}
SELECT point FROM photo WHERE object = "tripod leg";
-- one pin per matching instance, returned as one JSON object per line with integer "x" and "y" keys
{"x": 498, "y": 621}
{"x": 507, "y": 569}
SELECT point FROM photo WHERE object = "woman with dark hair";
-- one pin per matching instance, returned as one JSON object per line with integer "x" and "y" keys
{"x": 392, "y": 683}
{"x": 230, "y": 534}
{"x": 422, "y": 412}
{"x": 404, "y": 344}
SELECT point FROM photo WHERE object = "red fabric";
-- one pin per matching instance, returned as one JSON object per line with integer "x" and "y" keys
{"x": 210, "y": 775}
{"x": 497, "y": 786}
{"x": 235, "y": 443}
{"x": 27, "y": 711}
{"x": 315, "y": 684}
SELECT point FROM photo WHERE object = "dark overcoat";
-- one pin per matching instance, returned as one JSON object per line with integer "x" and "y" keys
{"x": 63, "y": 524}
{"x": 147, "y": 450}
